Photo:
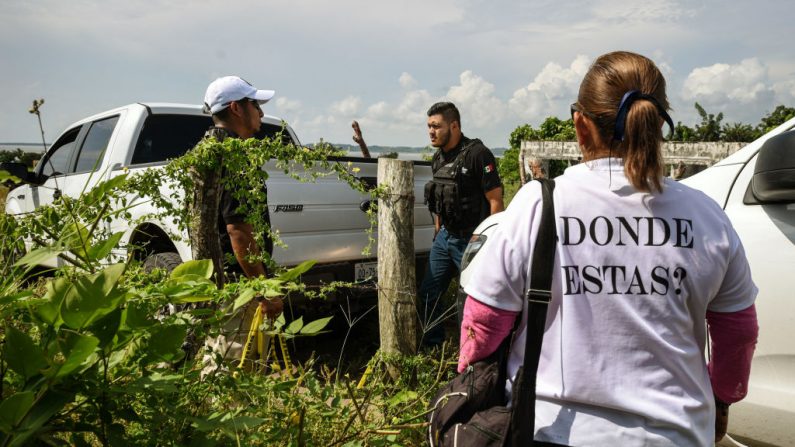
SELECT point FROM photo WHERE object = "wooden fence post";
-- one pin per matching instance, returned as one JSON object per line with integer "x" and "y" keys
{"x": 397, "y": 309}
{"x": 203, "y": 227}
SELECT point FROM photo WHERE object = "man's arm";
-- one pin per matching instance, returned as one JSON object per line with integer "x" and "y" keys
{"x": 359, "y": 139}
{"x": 243, "y": 245}
{"x": 494, "y": 197}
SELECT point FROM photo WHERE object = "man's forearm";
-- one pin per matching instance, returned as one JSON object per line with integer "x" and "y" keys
{"x": 494, "y": 197}
{"x": 244, "y": 245}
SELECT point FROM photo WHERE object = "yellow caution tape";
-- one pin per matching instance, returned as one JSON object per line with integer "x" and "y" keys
{"x": 255, "y": 324}
{"x": 367, "y": 372}
{"x": 286, "y": 355}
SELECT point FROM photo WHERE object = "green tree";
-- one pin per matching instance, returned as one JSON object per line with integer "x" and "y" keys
{"x": 683, "y": 132}
{"x": 739, "y": 132}
{"x": 710, "y": 128}
{"x": 555, "y": 129}
{"x": 9, "y": 156}
{"x": 18, "y": 155}
{"x": 552, "y": 129}
{"x": 508, "y": 165}
{"x": 777, "y": 117}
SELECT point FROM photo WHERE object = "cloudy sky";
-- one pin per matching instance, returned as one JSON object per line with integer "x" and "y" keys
{"x": 504, "y": 63}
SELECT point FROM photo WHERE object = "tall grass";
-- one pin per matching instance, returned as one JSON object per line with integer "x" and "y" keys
{"x": 3, "y": 194}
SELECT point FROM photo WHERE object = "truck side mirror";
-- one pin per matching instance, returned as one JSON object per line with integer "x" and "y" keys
{"x": 774, "y": 173}
{"x": 18, "y": 170}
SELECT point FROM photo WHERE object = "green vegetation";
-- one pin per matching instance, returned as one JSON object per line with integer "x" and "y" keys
{"x": 19, "y": 156}
{"x": 552, "y": 129}
{"x": 711, "y": 127}
{"x": 89, "y": 357}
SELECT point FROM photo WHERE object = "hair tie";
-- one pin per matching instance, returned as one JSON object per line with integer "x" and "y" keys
{"x": 623, "y": 109}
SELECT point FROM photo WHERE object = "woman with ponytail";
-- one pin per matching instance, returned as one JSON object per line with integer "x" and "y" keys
{"x": 644, "y": 268}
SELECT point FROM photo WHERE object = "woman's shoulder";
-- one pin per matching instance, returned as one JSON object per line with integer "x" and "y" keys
{"x": 693, "y": 196}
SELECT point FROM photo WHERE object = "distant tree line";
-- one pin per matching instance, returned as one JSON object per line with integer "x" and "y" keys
{"x": 19, "y": 156}
{"x": 710, "y": 128}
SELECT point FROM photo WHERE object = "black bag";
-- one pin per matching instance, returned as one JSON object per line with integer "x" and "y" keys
{"x": 471, "y": 409}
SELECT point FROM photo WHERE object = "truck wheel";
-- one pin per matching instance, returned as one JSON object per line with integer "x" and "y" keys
{"x": 167, "y": 261}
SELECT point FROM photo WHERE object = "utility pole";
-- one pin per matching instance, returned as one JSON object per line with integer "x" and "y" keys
{"x": 37, "y": 103}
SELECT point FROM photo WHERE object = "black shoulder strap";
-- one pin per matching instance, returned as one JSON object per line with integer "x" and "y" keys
{"x": 539, "y": 292}
{"x": 436, "y": 160}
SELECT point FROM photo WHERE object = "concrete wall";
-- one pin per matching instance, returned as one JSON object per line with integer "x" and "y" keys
{"x": 700, "y": 154}
{"x": 673, "y": 152}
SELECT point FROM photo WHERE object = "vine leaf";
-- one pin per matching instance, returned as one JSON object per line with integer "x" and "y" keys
{"x": 13, "y": 409}
{"x": 39, "y": 255}
{"x": 103, "y": 248}
{"x": 92, "y": 297}
{"x": 314, "y": 327}
{"x": 246, "y": 296}
{"x": 295, "y": 272}
{"x": 202, "y": 268}
{"x": 76, "y": 348}
{"x": 165, "y": 343}
{"x": 22, "y": 354}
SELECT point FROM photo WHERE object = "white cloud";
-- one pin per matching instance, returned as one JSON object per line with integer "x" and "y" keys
{"x": 411, "y": 109}
{"x": 785, "y": 92}
{"x": 347, "y": 107}
{"x": 474, "y": 97}
{"x": 745, "y": 82}
{"x": 642, "y": 11}
{"x": 551, "y": 90}
{"x": 742, "y": 91}
{"x": 407, "y": 81}
{"x": 286, "y": 105}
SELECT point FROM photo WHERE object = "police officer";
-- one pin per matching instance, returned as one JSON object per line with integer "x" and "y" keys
{"x": 465, "y": 189}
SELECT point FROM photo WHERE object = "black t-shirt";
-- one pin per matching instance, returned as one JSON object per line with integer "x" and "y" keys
{"x": 228, "y": 208}
{"x": 478, "y": 174}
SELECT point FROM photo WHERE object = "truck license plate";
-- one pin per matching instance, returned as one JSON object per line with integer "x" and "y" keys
{"x": 365, "y": 271}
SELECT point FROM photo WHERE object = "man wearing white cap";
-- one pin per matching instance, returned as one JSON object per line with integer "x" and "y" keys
{"x": 235, "y": 107}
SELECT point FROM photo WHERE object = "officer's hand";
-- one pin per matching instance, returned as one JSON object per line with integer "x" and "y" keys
{"x": 272, "y": 307}
{"x": 721, "y": 419}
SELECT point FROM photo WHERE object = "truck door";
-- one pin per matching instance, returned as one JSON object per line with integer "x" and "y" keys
{"x": 88, "y": 168}
{"x": 52, "y": 170}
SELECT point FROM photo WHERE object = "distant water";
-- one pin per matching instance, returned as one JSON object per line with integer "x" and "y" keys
{"x": 498, "y": 151}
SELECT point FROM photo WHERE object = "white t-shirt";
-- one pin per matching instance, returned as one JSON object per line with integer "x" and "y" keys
{"x": 622, "y": 360}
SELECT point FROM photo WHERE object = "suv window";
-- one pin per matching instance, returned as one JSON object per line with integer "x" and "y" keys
{"x": 165, "y": 136}
{"x": 169, "y": 136}
{"x": 56, "y": 162}
{"x": 271, "y": 130}
{"x": 95, "y": 144}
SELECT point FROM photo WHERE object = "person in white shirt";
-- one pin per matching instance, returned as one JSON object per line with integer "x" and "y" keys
{"x": 642, "y": 264}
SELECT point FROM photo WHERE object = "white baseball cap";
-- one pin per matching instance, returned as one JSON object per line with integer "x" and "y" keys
{"x": 228, "y": 89}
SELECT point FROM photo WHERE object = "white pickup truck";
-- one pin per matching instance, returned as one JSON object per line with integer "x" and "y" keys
{"x": 756, "y": 188}
{"x": 323, "y": 220}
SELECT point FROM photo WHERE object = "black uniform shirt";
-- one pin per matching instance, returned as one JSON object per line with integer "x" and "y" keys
{"x": 478, "y": 174}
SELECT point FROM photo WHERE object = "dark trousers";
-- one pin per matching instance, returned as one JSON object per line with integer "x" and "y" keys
{"x": 444, "y": 261}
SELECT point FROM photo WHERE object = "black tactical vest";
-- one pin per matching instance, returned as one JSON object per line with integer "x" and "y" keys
{"x": 459, "y": 213}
